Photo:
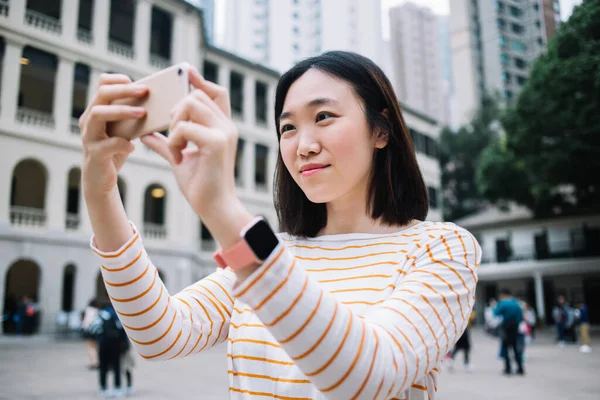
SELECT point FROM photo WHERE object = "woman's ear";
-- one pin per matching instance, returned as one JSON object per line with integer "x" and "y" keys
{"x": 382, "y": 134}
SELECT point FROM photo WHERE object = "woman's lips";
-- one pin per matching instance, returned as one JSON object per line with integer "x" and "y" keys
{"x": 310, "y": 172}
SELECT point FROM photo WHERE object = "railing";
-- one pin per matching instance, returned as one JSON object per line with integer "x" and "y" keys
{"x": 43, "y": 22}
{"x": 121, "y": 49}
{"x": 159, "y": 62}
{"x": 237, "y": 115}
{"x": 33, "y": 117}
{"x": 208, "y": 245}
{"x": 27, "y": 216}
{"x": 261, "y": 187}
{"x": 552, "y": 250}
{"x": 72, "y": 221}
{"x": 85, "y": 36}
{"x": 75, "y": 126}
{"x": 4, "y": 7}
{"x": 155, "y": 231}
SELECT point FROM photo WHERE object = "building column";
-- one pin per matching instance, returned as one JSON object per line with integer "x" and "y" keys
{"x": 142, "y": 26}
{"x": 16, "y": 11}
{"x": 249, "y": 165}
{"x": 69, "y": 17}
{"x": 93, "y": 83}
{"x": 101, "y": 23}
{"x": 271, "y": 163}
{"x": 539, "y": 296}
{"x": 224, "y": 76}
{"x": 63, "y": 95}
{"x": 271, "y": 105}
{"x": 11, "y": 79}
{"x": 55, "y": 205}
{"x": 249, "y": 100}
{"x": 178, "y": 43}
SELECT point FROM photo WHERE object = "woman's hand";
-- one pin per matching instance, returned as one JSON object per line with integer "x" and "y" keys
{"x": 204, "y": 171}
{"x": 103, "y": 156}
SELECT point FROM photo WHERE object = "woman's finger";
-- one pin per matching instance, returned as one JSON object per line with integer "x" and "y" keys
{"x": 217, "y": 93}
{"x": 99, "y": 115}
{"x": 106, "y": 94}
{"x": 204, "y": 98}
{"x": 110, "y": 147}
{"x": 160, "y": 144}
{"x": 192, "y": 109}
{"x": 185, "y": 132}
{"x": 105, "y": 79}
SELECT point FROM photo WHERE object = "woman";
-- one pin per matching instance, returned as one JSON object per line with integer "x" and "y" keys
{"x": 359, "y": 298}
{"x": 88, "y": 318}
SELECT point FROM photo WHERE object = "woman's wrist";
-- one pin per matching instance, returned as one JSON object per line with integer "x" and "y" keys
{"x": 225, "y": 219}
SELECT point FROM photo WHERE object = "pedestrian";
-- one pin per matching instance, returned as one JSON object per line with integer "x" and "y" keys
{"x": 512, "y": 315}
{"x": 112, "y": 343}
{"x": 463, "y": 344}
{"x": 530, "y": 318}
{"x": 127, "y": 366}
{"x": 559, "y": 314}
{"x": 358, "y": 297}
{"x": 584, "y": 326}
{"x": 90, "y": 314}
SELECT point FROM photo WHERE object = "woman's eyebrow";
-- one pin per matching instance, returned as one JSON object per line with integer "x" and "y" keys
{"x": 311, "y": 104}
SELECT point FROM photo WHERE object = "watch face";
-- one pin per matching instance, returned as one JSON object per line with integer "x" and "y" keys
{"x": 261, "y": 239}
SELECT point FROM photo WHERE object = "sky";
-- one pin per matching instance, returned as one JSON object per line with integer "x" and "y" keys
{"x": 441, "y": 7}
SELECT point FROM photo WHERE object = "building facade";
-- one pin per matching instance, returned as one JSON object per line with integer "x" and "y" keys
{"x": 415, "y": 52}
{"x": 279, "y": 33}
{"x": 538, "y": 259}
{"x": 53, "y": 53}
{"x": 493, "y": 46}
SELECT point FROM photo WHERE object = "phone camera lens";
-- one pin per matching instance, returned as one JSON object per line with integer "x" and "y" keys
{"x": 179, "y": 71}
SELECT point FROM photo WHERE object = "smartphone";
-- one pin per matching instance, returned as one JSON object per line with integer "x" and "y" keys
{"x": 167, "y": 88}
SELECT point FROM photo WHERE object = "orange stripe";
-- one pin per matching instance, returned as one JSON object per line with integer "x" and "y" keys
{"x": 183, "y": 301}
{"x": 145, "y": 292}
{"x": 369, "y": 303}
{"x": 438, "y": 229}
{"x": 211, "y": 323}
{"x": 186, "y": 342}
{"x": 475, "y": 250}
{"x": 220, "y": 286}
{"x": 232, "y": 341}
{"x": 291, "y": 307}
{"x": 265, "y": 269}
{"x": 414, "y": 351}
{"x": 267, "y": 360}
{"x": 466, "y": 259}
{"x": 349, "y": 371}
{"x": 265, "y": 394}
{"x": 246, "y": 325}
{"x": 134, "y": 280}
{"x": 437, "y": 345}
{"x": 346, "y": 258}
{"x": 355, "y": 277}
{"x": 363, "y": 289}
{"x": 135, "y": 238}
{"x": 223, "y": 319}
{"x": 451, "y": 269}
{"x": 449, "y": 286}
{"x": 403, "y": 356}
{"x": 443, "y": 298}
{"x": 370, "y": 370}
{"x": 310, "y": 317}
{"x": 147, "y": 309}
{"x": 270, "y": 378}
{"x": 216, "y": 298}
{"x": 447, "y": 247}
{"x": 245, "y": 310}
{"x": 158, "y": 339}
{"x": 143, "y": 328}
{"x": 318, "y": 342}
{"x": 401, "y": 271}
{"x": 334, "y": 356}
{"x": 416, "y": 330}
{"x": 165, "y": 351}
{"x": 277, "y": 288}
{"x": 351, "y": 268}
{"x": 348, "y": 247}
{"x": 419, "y": 387}
{"x": 126, "y": 265}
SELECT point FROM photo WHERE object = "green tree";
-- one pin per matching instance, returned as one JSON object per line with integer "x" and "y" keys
{"x": 459, "y": 158}
{"x": 549, "y": 159}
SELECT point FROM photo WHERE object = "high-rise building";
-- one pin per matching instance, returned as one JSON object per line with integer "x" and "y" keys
{"x": 280, "y": 33}
{"x": 414, "y": 36}
{"x": 494, "y": 44}
{"x": 208, "y": 11}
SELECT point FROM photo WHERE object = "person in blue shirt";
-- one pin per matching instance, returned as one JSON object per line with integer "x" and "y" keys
{"x": 510, "y": 310}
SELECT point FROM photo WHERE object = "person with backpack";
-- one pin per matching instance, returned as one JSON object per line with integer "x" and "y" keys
{"x": 112, "y": 344}
{"x": 509, "y": 309}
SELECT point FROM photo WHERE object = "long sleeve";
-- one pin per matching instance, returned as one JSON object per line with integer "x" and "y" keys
{"x": 159, "y": 325}
{"x": 383, "y": 352}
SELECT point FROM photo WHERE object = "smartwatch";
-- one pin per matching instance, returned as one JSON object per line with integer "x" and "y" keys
{"x": 256, "y": 245}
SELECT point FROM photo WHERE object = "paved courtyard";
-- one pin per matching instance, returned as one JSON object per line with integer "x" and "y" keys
{"x": 42, "y": 368}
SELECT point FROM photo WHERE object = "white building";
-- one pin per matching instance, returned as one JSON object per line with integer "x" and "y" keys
{"x": 493, "y": 46}
{"x": 416, "y": 59}
{"x": 279, "y": 33}
{"x": 53, "y": 53}
{"x": 538, "y": 259}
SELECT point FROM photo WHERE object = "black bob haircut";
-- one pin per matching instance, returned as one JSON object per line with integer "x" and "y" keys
{"x": 397, "y": 192}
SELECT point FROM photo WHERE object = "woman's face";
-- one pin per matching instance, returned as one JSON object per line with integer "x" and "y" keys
{"x": 326, "y": 144}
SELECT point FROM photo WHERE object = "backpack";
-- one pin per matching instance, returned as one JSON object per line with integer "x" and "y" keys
{"x": 113, "y": 334}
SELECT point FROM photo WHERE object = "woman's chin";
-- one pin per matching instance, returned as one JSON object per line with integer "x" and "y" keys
{"x": 319, "y": 196}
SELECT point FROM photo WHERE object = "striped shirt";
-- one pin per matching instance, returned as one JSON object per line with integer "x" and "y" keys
{"x": 349, "y": 316}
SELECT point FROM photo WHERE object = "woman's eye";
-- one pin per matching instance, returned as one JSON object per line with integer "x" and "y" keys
{"x": 323, "y": 116}
{"x": 286, "y": 128}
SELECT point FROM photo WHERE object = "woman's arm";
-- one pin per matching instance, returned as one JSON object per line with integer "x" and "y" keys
{"x": 383, "y": 353}
{"x": 161, "y": 326}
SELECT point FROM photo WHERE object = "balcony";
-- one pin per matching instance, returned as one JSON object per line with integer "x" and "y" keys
{"x": 74, "y": 126}
{"x": 4, "y": 7}
{"x": 84, "y": 36}
{"x": 154, "y": 231}
{"x": 159, "y": 62}
{"x": 43, "y": 22}
{"x": 121, "y": 49}
{"x": 72, "y": 222}
{"x": 36, "y": 118}
{"x": 551, "y": 250}
{"x": 27, "y": 216}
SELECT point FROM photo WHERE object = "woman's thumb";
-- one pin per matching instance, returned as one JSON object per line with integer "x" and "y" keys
{"x": 116, "y": 145}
